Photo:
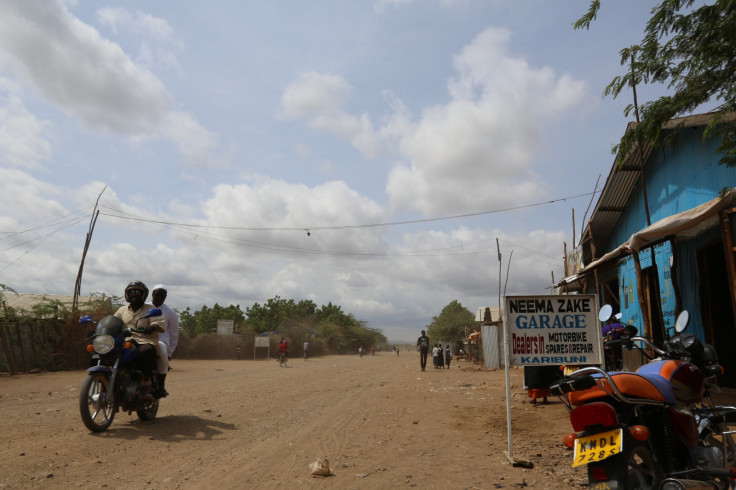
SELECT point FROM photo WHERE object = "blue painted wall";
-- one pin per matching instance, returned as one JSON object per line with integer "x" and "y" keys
{"x": 677, "y": 178}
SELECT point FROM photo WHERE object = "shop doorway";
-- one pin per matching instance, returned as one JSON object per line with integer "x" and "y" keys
{"x": 717, "y": 313}
{"x": 650, "y": 283}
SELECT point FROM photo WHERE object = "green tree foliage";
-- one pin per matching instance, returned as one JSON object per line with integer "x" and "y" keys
{"x": 451, "y": 322}
{"x": 205, "y": 319}
{"x": 328, "y": 328}
{"x": 279, "y": 313}
{"x": 693, "y": 52}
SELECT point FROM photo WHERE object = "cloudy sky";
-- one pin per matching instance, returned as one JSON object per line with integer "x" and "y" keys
{"x": 368, "y": 153}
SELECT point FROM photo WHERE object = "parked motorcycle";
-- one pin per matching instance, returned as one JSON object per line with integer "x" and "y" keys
{"x": 657, "y": 428}
{"x": 612, "y": 331}
{"x": 122, "y": 375}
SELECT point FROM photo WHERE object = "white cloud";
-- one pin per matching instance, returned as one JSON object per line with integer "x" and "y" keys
{"x": 196, "y": 143}
{"x": 92, "y": 78}
{"x": 474, "y": 152}
{"x": 33, "y": 199}
{"x": 382, "y": 5}
{"x": 320, "y": 98}
{"x": 274, "y": 204}
{"x": 23, "y": 137}
{"x": 71, "y": 64}
{"x": 158, "y": 43}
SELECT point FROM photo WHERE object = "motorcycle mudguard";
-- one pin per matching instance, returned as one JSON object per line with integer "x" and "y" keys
{"x": 630, "y": 384}
{"x": 103, "y": 369}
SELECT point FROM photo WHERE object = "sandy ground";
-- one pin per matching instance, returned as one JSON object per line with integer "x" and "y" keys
{"x": 379, "y": 420}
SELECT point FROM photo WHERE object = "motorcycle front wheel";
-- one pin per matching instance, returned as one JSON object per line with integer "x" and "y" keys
{"x": 97, "y": 403}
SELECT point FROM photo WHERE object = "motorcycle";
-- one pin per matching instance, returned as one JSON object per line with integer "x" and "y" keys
{"x": 122, "y": 375}
{"x": 656, "y": 428}
{"x": 612, "y": 330}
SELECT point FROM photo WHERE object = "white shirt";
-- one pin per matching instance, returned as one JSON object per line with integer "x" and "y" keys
{"x": 170, "y": 337}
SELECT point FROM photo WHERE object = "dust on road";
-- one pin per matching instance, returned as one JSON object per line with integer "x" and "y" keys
{"x": 379, "y": 420}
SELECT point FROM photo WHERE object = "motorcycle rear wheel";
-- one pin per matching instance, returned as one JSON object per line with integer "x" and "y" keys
{"x": 150, "y": 405}
{"x": 633, "y": 469}
{"x": 149, "y": 411}
{"x": 97, "y": 403}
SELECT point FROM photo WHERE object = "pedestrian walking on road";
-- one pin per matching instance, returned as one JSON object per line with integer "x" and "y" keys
{"x": 448, "y": 356}
{"x": 423, "y": 344}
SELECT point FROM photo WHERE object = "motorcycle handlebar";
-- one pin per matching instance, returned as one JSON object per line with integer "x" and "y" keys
{"x": 629, "y": 343}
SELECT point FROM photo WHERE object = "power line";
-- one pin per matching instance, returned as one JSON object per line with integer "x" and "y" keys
{"x": 343, "y": 227}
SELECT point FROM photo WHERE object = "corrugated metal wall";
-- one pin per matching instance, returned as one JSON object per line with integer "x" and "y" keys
{"x": 677, "y": 179}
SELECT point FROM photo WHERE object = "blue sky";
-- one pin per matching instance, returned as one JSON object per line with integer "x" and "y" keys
{"x": 364, "y": 153}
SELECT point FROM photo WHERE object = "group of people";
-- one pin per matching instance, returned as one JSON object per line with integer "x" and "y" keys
{"x": 164, "y": 337}
{"x": 440, "y": 357}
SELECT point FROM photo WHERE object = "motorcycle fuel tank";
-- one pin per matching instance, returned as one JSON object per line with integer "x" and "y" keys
{"x": 686, "y": 379}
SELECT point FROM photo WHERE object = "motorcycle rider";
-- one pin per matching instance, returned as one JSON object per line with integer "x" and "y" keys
{"x": 284, "y": 347}
{"x": 135, "y": 294}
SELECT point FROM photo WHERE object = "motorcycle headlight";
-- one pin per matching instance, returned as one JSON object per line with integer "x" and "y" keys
{"x": 103, "y": 343}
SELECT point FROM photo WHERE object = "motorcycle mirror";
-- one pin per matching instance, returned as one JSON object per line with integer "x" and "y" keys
{"x": 605, "y": 313}
{"x": 153, "y": 312}
{"x": 86, "y": 319}
{"x": 681, "y": 322}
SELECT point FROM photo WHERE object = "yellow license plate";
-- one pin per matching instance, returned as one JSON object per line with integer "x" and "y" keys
{"x": 597, "y": 447}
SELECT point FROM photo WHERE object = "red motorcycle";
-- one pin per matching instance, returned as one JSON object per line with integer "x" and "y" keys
{"x": 656, "y": 428}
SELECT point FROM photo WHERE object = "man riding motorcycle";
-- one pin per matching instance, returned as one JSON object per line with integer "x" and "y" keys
{"x": 135, "y": 294}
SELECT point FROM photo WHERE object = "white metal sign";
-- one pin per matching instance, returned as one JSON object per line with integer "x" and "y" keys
{"x": 225, "y": 327}
{"x": 553, "y": 330}
{"x": 262, "y": 342}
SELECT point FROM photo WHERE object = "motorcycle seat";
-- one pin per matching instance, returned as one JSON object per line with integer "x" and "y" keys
{"x": 631, "y": 385}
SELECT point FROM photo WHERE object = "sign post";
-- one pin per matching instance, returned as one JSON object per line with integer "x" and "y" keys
{"x": 261, "y": 342}
{"x": 225, "y": 327}
{"x": 550, "y": 331}
{"x": 553, "y": 330}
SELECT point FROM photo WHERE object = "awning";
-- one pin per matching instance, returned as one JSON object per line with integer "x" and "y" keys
{"x": 680, "y": 226}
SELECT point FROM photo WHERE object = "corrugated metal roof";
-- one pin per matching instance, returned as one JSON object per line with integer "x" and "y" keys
{"x": 26, "y": 302}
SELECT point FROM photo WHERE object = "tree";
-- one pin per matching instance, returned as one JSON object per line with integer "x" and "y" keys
{"x": 690, "y": 50}
{"x": 451, "y": 322}
{"x": 278, "y": 313}
{"x": 205, "y": 319}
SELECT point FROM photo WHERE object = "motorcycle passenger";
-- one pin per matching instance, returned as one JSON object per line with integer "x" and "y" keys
{"x": 135, "y": 294}
{"x": 167, "y": 339}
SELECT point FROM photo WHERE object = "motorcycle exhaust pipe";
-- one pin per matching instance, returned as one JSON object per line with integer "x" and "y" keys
{"x": 677, "y": 484}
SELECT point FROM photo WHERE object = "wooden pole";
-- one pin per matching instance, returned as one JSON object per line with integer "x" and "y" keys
{"x": 643, "y": 304}
{"x": 87, "y": 241}
{"x": 673, "y": 278}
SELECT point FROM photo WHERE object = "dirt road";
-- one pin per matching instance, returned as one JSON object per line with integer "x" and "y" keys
{"x": 250, "y": 424}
